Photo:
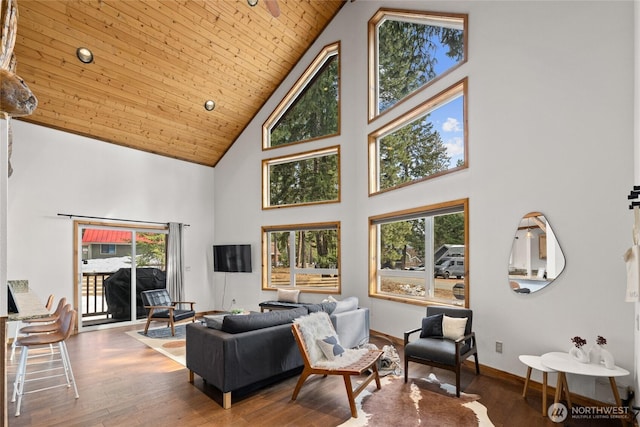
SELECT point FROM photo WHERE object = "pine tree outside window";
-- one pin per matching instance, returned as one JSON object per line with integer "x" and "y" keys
{"x": 302, "y": 179}
{"x": 302, "y": 256}
{"x": 411, "y": 50}
{"x": 311, "y": 109}
{"x": 428, "y": 141}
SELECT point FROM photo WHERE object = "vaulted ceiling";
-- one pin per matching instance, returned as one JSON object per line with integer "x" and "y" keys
{"x": 155, "y": 64}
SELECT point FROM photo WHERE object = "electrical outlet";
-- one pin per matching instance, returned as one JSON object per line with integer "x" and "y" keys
{"x": 498, "y": 346}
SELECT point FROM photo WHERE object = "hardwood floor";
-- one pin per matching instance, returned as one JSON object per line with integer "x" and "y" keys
{"x": 122, "y": 382}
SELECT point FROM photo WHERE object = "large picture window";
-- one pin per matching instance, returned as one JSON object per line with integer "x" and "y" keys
{"x": 428, "y": 141}
{"x": 410, "y": 50}
{"x": 303, "y": 256}
{"x": 420, "y": 256}
{"x": 300, "y": 179}
{"x": 311, "y": 109}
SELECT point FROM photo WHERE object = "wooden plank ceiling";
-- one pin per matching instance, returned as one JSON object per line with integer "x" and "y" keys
{"x": 156, "y": 63}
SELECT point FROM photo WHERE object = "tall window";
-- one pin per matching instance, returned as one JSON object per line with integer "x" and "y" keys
{"x": 304, "y": 256}
{"x": 421, "y": 255}
{"x": 411, "y": 50}
{"x": 428, "y": 141}
{"x": 311, "y": 108}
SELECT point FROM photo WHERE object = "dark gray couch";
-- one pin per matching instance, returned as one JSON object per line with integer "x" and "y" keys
{"x": 254, "y": 350}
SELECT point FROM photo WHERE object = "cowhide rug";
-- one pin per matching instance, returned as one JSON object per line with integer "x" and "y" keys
{"x": 422, "y": 401}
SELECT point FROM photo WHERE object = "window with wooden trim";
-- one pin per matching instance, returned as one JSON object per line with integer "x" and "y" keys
{"x": 302, "y": 256}
{"x": 420, "y": 256}
{"x": 302, "y": 178}
{"x": 409, "y": 51}
{"x": 311, "y": 109}
{"x": 428, "y": 141}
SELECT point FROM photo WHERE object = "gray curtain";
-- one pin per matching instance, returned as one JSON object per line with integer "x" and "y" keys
{"x": 175, "y": 251}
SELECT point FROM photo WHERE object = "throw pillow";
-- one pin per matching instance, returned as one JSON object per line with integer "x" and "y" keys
{"x": 288, "y": 295}
{"x": 330, "y": 347}
{"x": 453, "y": 327}
{"x": 327, "y": 307}
{"x": 432, "y": 326}
{"x": 253, "y": 321}
{"x": 347, "y": 304}
{"x": 214, "y": 321}
{"x": 313, "y": 327}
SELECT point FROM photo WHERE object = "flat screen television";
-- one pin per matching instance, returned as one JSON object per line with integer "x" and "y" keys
{"x": 12, "y": 306}
{"x": 232, "y": 258}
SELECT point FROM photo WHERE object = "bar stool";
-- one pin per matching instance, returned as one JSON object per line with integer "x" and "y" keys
{"x": 534, "y": 362}
{"x": 66, "y": 325}
{"x": 44, "y": 328}
{"x": 40, "y": 320}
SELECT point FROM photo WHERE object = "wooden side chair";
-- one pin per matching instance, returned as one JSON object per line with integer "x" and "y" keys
{"x": 160, "y": 308}
{"x": 355, "y": 362}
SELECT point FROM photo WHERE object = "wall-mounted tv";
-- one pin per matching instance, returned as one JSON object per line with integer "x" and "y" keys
{"x": 12, "y": 306}
{"x": 232, "y": 258}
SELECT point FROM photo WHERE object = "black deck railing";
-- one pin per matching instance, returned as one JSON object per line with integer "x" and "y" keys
{"x": 95, "y": 303}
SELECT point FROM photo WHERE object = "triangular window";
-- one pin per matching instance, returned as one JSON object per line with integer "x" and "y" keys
{"x": 311, "y": 108}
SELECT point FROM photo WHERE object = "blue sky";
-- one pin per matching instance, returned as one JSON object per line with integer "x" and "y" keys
{"x": 448, "y": 121}
{"x": 448, "y": 118}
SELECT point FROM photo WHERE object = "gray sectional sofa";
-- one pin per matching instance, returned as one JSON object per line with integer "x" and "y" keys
{"x": 253, "y": 350}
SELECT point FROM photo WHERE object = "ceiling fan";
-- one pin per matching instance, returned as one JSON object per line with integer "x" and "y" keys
{"x": 272, "y": 6}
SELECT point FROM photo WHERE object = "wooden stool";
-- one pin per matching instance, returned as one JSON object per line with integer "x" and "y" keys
{"x": 534, "y": 362}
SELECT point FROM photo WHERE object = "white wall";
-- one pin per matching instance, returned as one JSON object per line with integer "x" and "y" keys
{"x": 550, "y": 129}
{"x": 636, "y": 157}
{"x": 57, "y": 172}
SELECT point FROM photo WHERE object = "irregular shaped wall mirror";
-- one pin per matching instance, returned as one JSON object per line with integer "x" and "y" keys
{"x": 536, "y": 258}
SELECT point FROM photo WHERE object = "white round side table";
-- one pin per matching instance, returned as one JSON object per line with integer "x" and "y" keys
{"x": 535, "y": 362}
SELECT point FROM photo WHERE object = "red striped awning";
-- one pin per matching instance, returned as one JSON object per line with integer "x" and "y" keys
{"x": 92, "y": 235}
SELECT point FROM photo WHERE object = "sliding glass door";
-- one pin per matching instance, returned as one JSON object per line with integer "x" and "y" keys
{"x": 114, "y": 264}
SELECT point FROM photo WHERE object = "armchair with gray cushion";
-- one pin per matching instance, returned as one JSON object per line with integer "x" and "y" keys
{"x": 445, "y": 342}
{"x": 159, "y": 307}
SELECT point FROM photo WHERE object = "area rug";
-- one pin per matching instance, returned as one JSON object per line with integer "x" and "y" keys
{"x": 160, "y": 340}
{"x": 421, "y": 401}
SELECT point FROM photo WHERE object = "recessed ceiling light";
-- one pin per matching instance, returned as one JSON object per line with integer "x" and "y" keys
{"x": 209, "y": 105}
{"x": 252, "y": 2}
{"x": 84, "y": 55}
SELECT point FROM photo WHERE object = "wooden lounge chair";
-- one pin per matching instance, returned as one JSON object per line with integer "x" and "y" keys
{"x": 366, "y": 362}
